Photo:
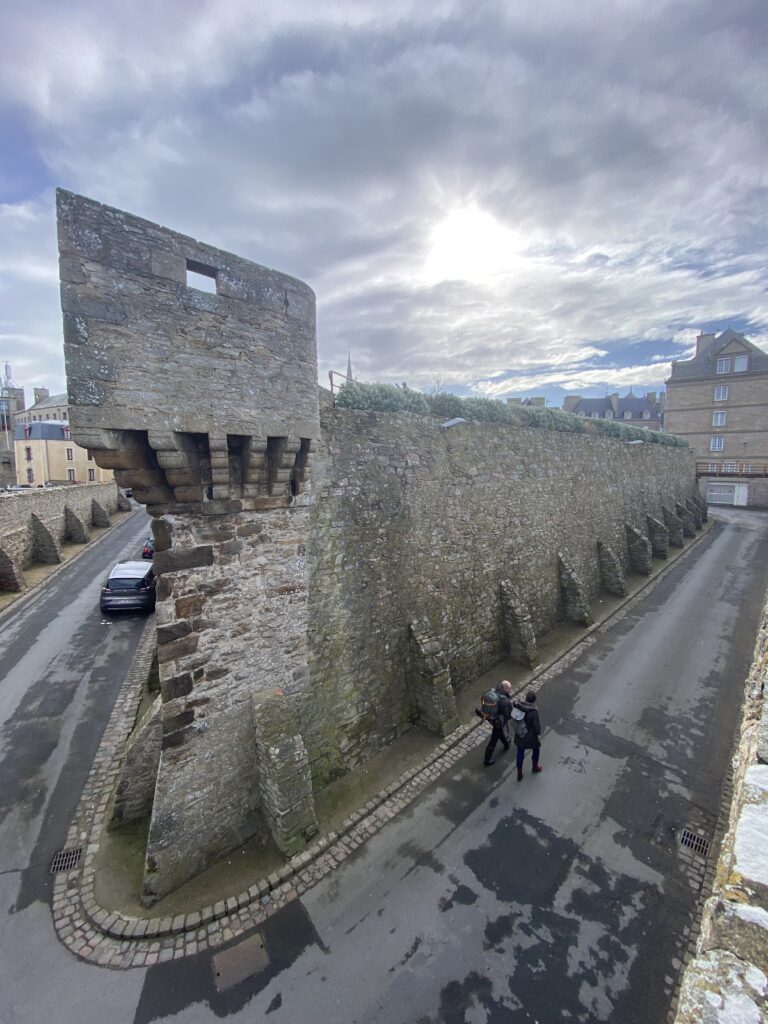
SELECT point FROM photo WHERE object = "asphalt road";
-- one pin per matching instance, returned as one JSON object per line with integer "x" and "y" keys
{"x": 561, "y": 898}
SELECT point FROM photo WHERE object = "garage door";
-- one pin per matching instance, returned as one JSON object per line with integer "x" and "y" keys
{"x": 721, "y": 494}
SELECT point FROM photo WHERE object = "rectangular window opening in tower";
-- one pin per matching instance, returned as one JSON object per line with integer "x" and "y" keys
{"x": 202, "y": 277}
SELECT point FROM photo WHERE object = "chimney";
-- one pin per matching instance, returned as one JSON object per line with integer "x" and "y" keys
{"x": 40, "y": 394}
{"x": 703, "y": 341}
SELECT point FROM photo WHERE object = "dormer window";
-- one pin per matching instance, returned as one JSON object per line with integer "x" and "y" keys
{"x": 609, "y": 414}
{"x": 740, "y": 364}
{"x": 723, "y": 365}
{"x": 627, "y": 414}
{"x": 646, "y": 414}
{"x": 66, "y": 433}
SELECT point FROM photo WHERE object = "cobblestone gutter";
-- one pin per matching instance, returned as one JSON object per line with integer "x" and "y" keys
{"x": 727, "y": 981}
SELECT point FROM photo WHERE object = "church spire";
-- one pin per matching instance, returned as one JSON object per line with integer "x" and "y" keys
{"x": 349, "y": 364}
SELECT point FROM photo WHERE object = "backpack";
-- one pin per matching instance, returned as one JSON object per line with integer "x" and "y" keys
{"x": 489, "y": 706}
{"x": 518, "y": 723}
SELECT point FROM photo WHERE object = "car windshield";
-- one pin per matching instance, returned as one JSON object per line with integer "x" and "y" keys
{"x": 124, "y": 584}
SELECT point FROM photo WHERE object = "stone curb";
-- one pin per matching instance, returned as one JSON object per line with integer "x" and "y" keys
{"x": 29, "y": 592}
{"x": 109, "y": 938}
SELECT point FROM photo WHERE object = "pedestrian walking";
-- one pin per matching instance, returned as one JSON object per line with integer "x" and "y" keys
{"x": 499, "y": 733}
{"x": 529, "y": 740}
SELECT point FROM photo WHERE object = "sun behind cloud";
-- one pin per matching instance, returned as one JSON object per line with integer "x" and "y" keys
{"x": 469, "y": 244}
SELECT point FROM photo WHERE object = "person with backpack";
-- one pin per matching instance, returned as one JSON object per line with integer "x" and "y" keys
{"x": 527, "y": 727}
{"x": 498, "y": 717}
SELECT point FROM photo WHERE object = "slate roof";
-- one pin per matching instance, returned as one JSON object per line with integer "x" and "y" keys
{"x": 705, "y": 363}
{"x": 49, "y": 402}
{"x": 46, "y": 430}
{"x": 631, "y": 403}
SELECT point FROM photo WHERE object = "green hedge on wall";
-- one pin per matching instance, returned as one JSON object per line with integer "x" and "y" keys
{"x": 390, "y": 398}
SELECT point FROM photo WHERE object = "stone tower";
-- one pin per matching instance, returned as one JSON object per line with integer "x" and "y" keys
{"x": 192, "y": 373}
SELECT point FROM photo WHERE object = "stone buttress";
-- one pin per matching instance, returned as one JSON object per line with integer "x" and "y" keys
{"x": 223, "y": 468}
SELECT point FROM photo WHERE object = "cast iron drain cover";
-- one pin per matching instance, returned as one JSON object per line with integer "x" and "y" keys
{"x": 65, "y": 860}
{"x": 696, "y": 843}
{"x": 239, "y": 962}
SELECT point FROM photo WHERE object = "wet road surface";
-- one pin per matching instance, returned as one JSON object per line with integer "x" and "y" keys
{"x": 561, "y": 898}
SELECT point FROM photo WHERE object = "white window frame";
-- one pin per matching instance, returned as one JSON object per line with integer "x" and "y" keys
{"x": 718, "y": 418}
{"x": 70, "y": 455}
{"x": 721, "y": 393}
{"x": 743, "y": 358}
{"x": 71, "y": 475}
{"x": 646, "y": 414}
{"x": 716, "y": 443}
{"x": 609, "y": 414}
{"x": 730, "y": 467}
{"x": 723, "y": 365}
{"x": 627, "y": 414}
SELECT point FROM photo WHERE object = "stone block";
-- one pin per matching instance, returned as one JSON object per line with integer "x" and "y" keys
{"x": 184, "y": 558}
{"x": 177, "y": 648}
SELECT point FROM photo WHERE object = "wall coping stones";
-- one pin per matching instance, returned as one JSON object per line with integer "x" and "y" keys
{"x": 130, "y": 941}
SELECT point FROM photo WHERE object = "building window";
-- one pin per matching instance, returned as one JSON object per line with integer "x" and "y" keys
{"x": 63, "y": 415}
{"x": 716, "y": 443}
{"x": 28, "y": 454}
{"x": 718, "y": 419}
{"x": 30, "y": 475}
{"x": 595, "y": 415}
{"x": 646, "y": 414}
{"x": 713, "y": 467}
{"x": 740, "y": 364}
{"x": 627, "y": 415}
{"x": 723, "y": 365}
{"x": 67, "y": 433}
{"x": 70, "y": 455}
{"x": 721, "y": 392}
{"x": 91, "y": 475}
{"x": 90, "y": 455}
{"x": 71, "y": 475}
{"x": 609, "y": 414}
{"x": 730, "y": 467}
{"x": 746, "y": 468}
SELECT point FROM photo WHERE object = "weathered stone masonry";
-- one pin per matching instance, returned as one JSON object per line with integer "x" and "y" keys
{"x": 35, "y": 523}
{"x": 325, "y": 583}
{"x": 206, "y": 405}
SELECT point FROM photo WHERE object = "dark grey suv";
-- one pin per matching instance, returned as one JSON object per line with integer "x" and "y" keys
{"x": 130, "y": 586}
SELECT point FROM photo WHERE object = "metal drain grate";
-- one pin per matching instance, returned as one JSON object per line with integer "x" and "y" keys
{"x": 696, "y": 843}
{"x": 65, "y": 860}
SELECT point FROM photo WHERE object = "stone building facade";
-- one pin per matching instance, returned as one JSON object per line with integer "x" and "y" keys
{"x": 327, "y": 579}
{"x": 46, "y": 407}
{"x": 718, "y": 401}
{"x": 45, "y": 453}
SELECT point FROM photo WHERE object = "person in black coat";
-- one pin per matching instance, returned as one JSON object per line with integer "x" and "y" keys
{"x": 499, "y": 731}
{"x": 533, "y": 731}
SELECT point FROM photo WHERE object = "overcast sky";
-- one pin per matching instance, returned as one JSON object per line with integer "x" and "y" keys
{"x": 515, "y": 198}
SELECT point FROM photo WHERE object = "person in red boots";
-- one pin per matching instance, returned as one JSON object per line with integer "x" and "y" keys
{"x": 527, "y": 731}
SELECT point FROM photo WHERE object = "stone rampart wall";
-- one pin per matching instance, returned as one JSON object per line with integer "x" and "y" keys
{"x": 728, "y": 979}
{"x": 411, "y": 521}
{"x": 35, "y": 523}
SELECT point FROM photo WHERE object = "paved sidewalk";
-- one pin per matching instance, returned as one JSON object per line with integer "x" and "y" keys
{"x": 108, "y": 937}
